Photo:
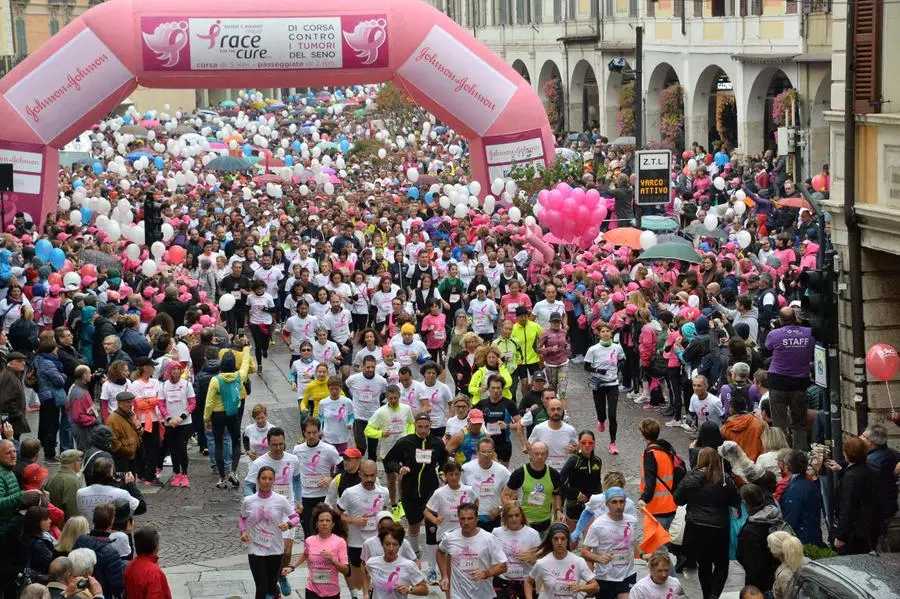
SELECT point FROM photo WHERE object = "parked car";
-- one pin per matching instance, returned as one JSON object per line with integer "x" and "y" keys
{"x": 848, "y": 577}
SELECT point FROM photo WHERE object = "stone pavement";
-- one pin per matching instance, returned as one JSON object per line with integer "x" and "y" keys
{"x": 201, "y": 550}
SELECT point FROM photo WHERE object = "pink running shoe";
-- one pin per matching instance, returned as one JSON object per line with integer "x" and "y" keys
{"x": 175, "y": 481}
{"x": 601, "y": 426}
{"x": 613, "y": 450}
{"x": 185, "y": 482}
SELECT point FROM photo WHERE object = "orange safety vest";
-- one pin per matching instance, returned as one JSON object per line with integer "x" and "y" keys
{"x": 663, "y": 502}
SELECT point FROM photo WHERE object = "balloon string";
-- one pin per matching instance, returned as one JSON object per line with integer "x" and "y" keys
{"x": 890, "y": 399}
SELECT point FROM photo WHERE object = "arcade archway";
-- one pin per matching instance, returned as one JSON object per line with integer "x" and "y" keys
{"x": 90, "y": 66}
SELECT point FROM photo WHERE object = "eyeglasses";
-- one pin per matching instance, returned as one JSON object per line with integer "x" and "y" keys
{"x": 588, "y": 443}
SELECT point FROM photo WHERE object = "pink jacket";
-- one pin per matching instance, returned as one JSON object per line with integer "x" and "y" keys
{"x": 80, "y": 407}
{"x": 553, "y": 337}
{"x": 671, "y": 339}
{"x": 647, "y": 344}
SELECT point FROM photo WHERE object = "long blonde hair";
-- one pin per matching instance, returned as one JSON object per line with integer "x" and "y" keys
{"x": 786, "y": 548}
{"x": 74, "y": 528}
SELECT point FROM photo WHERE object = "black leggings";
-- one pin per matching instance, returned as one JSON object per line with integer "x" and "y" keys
{"x": 220, "y": 421}
{"x": 261, "y": 341}
{"x": 673, "y": 380}
{"x": 177, "y": 438}
{"x": 236, "y": 317}
{"x": 150, "y": 443}
{"x": 265, "y": 569}
{"x": 365, "y": 444}
{"x": 48, "y": 427}
{"x": 309, "y": 504}
{"x": 607, "y": 397}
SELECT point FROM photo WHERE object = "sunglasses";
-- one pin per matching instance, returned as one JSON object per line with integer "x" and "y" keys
{"x": 588, "y": 443}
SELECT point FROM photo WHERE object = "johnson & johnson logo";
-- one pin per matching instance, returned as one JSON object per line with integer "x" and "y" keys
{"x": 461, "y": 82}
{"x": 74, "y": 81}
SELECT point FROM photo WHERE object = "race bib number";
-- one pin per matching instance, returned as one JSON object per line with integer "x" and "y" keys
{"x": 405, "y": 359}
{"x": 536, "y": 498}
{"x": 515, "y": 570}
{"x": 454, "y": 297}
{"x": 620, "y": 558}
{"x": 556, "y": 462}
{"x": 396, "y": 426}
{"x": 480, "y": 321}
{"x": 261, "y": 537}
{"x": 283, "y": 490}
{"x": 440, "y": 335}
{"x": 423, "y": 456}
{"x": 493, "y": 428}
{"x": 371, "y": 523}
{"x": 321, "y": 576}
{"x": 487, "y": 490}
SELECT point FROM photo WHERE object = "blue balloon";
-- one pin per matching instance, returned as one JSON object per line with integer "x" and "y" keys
{"x": 85, "y": 214}
{"x": 296, "y": 145}
{"x": 42, "y": 249}
{"x": 57, "y": 258}
{"x": 413, "y": 192}
{"x": 248, "y": 149}
{"x": 77, "y": 183}
{"x": 148, "y": 116}
{"x": 127, "y": 119}
{"x": 345, "y": 145}
{"x": 97, "y": 167}
{"x": 429, "y": 197}
{"x": 288, "y": 161}
{"x": 158, "y": 162}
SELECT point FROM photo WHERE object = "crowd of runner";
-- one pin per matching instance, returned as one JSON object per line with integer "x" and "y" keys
{"x": 426, "y": 346}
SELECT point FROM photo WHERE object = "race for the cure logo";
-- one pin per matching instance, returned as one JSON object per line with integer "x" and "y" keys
{"x": 216, "y": 44}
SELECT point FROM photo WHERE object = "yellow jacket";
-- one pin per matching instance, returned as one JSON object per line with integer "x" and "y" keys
{"x": 315, "y": 392}
{"x": 479, "y": 378}
{"x": 214, "y": 396}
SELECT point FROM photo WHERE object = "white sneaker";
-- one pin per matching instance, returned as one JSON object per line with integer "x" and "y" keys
{"x": 632, "y": 395}
{"x": 688, "y": 426}
{"x": 578, "y": 359}
{"x": 640, "y": 399}
{"x": 673, "y": 423}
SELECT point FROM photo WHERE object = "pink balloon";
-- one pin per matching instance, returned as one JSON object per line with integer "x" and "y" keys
{"x": 564, "y": 189}
{"x": 555, "y": 200}
{"x": 543, "y": 196}
{"x": 578, "y": 194}
{"x": 570, "y": 206}
{"x": 591, "y": 199}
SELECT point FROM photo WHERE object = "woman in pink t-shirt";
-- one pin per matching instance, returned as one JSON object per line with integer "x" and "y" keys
{"x": 325, "y": 553}
{"x": 434, "y": 325}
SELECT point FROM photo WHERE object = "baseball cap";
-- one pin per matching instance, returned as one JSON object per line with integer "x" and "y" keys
{"x": 476, "y": 416}
{"x": 423, "y": 416}
{"x": 352, "y": 453}
{"x": 539, "y": 376}
{"x": 182, "y": 332}
{"x": 521, "y": 311}
{"x": 555, "y": 317}
{"x": 753, "y": 277}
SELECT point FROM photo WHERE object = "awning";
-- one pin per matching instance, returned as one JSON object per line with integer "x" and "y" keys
{"x": 764, "y": 58}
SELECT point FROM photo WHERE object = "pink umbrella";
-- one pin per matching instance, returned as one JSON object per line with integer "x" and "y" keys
{"x": 150, "y": 123}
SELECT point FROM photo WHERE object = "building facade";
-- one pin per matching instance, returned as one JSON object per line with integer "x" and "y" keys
{"x": 874, "y": 199}
{"x": 729, "y": 59}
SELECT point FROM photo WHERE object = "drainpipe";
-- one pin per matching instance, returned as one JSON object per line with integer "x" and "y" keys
{"x": 854, "y": 237}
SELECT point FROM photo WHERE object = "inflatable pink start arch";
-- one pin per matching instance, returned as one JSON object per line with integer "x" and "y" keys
{"x": 89, "y": 67}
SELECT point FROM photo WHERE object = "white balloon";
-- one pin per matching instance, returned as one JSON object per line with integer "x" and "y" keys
{"x": 148, "y": 267}
{"x": 475, "y": 188}
{"x": 113, "y": 231}
{"x": 461, "y": 211}
{"x": 515, "y": 215}
{"x": 445, "y": 202}
{"x": 329, "y": 188}
{"x": 719, "y": 183}
{"x": 490, "y": 204}
{"x": 744, "y": 238}
{"x": 211, "y": 179}
{"x": 171, "y": 185}
{"x": 511, "y": 188}
{"x": 133, "y": 251}
{"x": 75, "y": 217}
{"x": 382, "y": 153}
{"x": 64, "y": 204}
{"x": 711, "y": 222}
{"x": 158, "y": 248}
{"x": 473, "y": 202}
{"x": 168, "y": 232}
{"x": 692, "y": 164}
{"x": 529, "y": 221}
{"x": 694, "y": 301}
{"x": 739, "y": 195}
{"x": 739, "y": 208}
{"x": 72, "y": 278}
{"x": 227, "y": 302}
{"x": 412, "y": 174}
{"x": 648, "y": 239}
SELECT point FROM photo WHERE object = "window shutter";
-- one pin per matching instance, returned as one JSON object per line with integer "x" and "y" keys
{"x": 867, "y": 56}
{"x": 791, "y": 7}
{"x": 651, "y": 8}
{"x": 698, "y": 8}
{"x": 679, "y": 7}
{"x": 743, "y": 8}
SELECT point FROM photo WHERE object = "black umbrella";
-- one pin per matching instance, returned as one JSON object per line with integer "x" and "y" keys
{"x": 228, "y": 164}
{"x": 98, "y": 258}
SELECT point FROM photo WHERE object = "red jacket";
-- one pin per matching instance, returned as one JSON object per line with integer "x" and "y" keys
{"x": 145, "y": 580}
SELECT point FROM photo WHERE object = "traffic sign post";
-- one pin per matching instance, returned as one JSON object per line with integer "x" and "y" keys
{"x": 654, "y": 177}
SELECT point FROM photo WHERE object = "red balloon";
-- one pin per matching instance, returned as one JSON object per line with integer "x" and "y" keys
{"x": 687, "y": 171}
{"x": 882, "y": 361}
{"x": 89, "y": 270}
{"x": 819, "y": 183}
{"x": 176, "y": 254}
{"x": 55, "y": 278}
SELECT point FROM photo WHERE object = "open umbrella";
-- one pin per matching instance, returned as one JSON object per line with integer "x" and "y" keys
{"x": 137, "y": 154}
{"x": 567, "y": 153}
{"x": 183, "y": 130}
{"x": 228, "y": 164}
{"x": 700, "y": 230}
{"x": 359, "y": 112}
{"x": 84, "y": 162}
{"x": 673, "y": 238}
{"x": 624, "y": 236}
{"x": 793, "y": 203}
{"x": 671, "y": 251}
{"x": 654, "y": 222}
{"x": 227, "y": 104}
{"x": 135, "y": 130}
{"x": 627, "y": 140}
{"x": 269, "y": 178}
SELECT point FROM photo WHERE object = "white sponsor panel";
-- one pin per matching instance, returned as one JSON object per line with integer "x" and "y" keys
{"x": 24, "y": 183}
{"x": 81, "y": 74}
{"x": 452, "y": 75}
{"x": 515, "y": 151}
{"x": 24, "y": 162}
{"x": 247, "y": 44}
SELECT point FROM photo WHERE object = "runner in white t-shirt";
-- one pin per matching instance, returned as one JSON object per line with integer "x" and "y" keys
{"x": 561, "y": 438}
{"x": 611, "y": 543}
{"x": 562, "y": 574}
{"x": 704, "y": 405}
{"x": 318, "y": 461}
{"x": 469, "y": 558}
{"x": 517, "y": 541}
{"x": 658, "y": 584}
{"x": 487, "y": 477}
{"x": 443, "y": 505}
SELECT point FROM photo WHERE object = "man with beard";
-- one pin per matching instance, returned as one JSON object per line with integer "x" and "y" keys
{"x": 560, "y": 437}
{"x": 287, "y": 483}
{"x": 541, "y": 491}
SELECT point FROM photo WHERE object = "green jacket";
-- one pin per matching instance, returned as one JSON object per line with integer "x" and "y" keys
{"x": 527, "y": 337}
{"x": 63, "y": 488}
{"x": 10, "y": 496}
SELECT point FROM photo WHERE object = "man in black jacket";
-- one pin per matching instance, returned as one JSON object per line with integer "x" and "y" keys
{"x": 237, "y": 284}
{"x": 176, "y": 308}
{"x": 416, "y": 457}
{"x": 109, "y": 570}
{"x": 753, "y": 547}
{"x": 882, "y": 461}
{"x": 104, "y": 326}
{"x": 65, "y": 351}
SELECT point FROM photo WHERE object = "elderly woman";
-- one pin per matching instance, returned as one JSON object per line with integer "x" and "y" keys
{"x": 133, "y": 341}
{"x": 112, "y": 346}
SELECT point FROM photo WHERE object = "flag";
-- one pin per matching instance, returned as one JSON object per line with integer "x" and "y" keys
{"x": 655, "y": 536}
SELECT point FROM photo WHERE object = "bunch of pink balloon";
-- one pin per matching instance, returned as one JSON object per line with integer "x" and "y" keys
{"x": 572, "y": 215}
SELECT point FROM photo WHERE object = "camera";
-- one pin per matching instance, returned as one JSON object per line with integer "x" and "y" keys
{"x": 82, "y": 584}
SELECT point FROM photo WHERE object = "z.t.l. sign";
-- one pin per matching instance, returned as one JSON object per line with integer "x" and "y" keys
{"x": 654, "y": 177}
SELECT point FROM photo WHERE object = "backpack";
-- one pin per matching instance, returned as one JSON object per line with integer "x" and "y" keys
{"x": 679, "y": 469}
{"x": 231, "y": 394}
{"x": 659, "y": 364}
{"x": 711, "y": 366}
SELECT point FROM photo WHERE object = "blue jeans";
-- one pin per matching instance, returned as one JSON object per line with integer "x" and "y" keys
{"x": 666, "y": 522}
{"x": 211, "y": 445}
{"x": 65, "y": 432}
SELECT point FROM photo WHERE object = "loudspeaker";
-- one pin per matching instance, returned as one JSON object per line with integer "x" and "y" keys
{"x": 6, "y": 177}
